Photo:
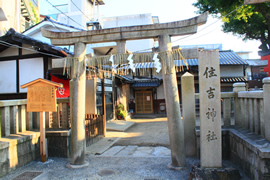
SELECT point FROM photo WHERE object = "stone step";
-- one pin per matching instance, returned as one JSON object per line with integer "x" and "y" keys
{"x": 101, "y": 146}
{"x": 129, "y": 150}
{"x": 113, "y": 151}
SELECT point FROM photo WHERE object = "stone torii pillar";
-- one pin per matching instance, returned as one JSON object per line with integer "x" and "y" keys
{"x": 175, "y": 123}
{"x": 77, "y": 112}
{"x": 162, "y": 31}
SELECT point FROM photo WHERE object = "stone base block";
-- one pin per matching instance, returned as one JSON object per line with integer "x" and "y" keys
{"x": 199, "y": 173}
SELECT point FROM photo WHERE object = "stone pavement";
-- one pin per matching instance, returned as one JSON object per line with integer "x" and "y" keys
{"x": 116, "y": 125}
{"x": 110, "y": 161}
{"x": 105, "y": 167}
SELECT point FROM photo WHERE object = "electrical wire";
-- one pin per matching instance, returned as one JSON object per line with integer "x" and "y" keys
{"x": 64, "y": 14}
{"x": 213, "y": 22}
{"x": 56, "y": 26}
{"x": 201, "y": 29}
{"x": 14, "y": 45}
{"x": 80, "y": 10}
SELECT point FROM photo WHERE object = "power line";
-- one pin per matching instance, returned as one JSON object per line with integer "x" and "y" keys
{"x": 80, "y": 10}
{"x": 14, "y": 45}
{"x": 213, "y": 22}
{"x": 203, "y": 28}
{"x": 64, "y": 13}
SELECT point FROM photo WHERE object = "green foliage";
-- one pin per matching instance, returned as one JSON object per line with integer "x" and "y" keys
{"x": 122, "y": 113}
{"x": 249, "y": 21}
{"x": 36, "y": 20}
{"x": 120, "y": 110}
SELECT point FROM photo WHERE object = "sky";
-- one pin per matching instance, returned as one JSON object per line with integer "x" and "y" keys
{"x": 175, "y": 10}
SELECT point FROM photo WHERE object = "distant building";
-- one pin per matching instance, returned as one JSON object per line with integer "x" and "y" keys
{"x": 244, "y": 54}
{"x": 203, "y": 46}
{"x": 28, "y": 59}
{"x": 77, "y": 13}
{"x": 20, "y": 15}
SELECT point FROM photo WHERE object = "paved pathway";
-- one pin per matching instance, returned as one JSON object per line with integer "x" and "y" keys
{"x": 140, "y": 153}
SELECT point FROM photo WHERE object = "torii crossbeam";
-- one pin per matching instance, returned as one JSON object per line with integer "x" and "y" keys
{"x": 120, "y": 35}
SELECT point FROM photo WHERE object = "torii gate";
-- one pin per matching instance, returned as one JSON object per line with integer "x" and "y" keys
{"x": 120, "y": 35}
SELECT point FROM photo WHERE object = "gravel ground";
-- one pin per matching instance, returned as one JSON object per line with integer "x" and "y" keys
{"x": 147, "y": 132}
{"x": 100, "y": 168}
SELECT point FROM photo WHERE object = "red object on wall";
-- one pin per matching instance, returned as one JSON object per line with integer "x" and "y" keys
{"x": 64, "y": 91}
{"x": 267, "y": 68}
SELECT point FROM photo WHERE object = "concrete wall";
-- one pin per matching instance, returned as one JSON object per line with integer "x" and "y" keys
{"x": 248, "y": 151}
{"x": 231, "y": 71}
{"x": 12, "y": 13}
{"x": 131, "y": 20}
{"x": 74, "y": 13}
{"x": 18, "y": 150}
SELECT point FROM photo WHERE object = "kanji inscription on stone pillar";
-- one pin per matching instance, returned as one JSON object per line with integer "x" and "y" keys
{"x": 210, "y": 109}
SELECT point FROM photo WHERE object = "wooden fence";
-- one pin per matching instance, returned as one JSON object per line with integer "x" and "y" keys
{"x": 15, "y": 119}
{"x": 94, "y": 127}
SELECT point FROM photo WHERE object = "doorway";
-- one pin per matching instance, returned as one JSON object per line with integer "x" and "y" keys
{"x": 144, "y": 102}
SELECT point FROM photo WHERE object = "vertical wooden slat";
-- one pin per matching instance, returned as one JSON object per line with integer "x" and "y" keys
{"x": 256, "y": 116}
{"x": 65, "y": 116}
{"x": 103, "y": 106}
{"x": 58, "y": 115}
{"x": 5, "y": 124}
{"x": 250, "y": 114}
{"x": 22, "y": 119}
{"x": 55, "y": 119}
{"x": 14, "y": 120}
{"x": 29, "y": 120}
{"x": 47, "y": 119}
{"x": 262, "y": 118}
{"x": 35, "y": 120}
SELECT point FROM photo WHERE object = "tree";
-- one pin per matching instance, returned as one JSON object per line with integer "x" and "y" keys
{"x": 249, "y": 21}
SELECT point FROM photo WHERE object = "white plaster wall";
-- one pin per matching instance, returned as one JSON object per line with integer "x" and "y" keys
{"x": 160, "y": 92}
{"x": 10, "y": 52}
{"x": 29, "y": 49}
{"x": 38, "y": 36}
{"x": 30, "y": 69}
{"x": 58, "y": 63}
{"x": 8, "y": 77}
{"x": 231, "y": 71}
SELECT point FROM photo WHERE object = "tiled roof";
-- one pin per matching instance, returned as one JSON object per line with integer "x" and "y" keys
{"x": 225, "y": 58}
{"x": 232, "y": 79}
{"x": 257, "y": 62}
{"x": 47, "y": 18}
{"x": 14, "y": 37}
{"x": 126, "y": 79}
{"x": 148, "y": 83}
{"x": 229, "y": 58}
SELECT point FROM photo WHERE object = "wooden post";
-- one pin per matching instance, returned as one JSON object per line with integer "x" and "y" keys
{"x": 43, "y": 144}
{"x": 103, "y": 105}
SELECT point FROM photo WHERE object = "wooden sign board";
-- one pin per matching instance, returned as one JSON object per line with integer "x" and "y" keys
{"x": 41, "y": 95}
